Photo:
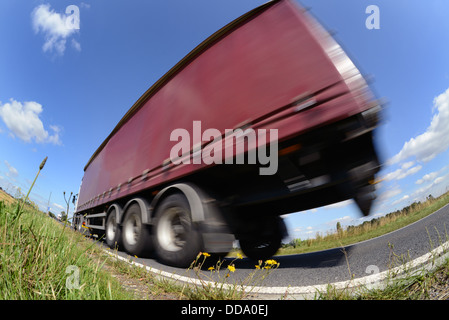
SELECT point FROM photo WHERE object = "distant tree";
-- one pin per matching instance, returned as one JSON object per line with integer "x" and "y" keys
{"x": 63, "y": 216}
{"x": 350, "y": 229}
{"x": 295, "y": 242}
{"x": 339, "y": 229}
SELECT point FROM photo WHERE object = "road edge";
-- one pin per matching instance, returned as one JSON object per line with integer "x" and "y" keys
{"x": 425, "y": 263}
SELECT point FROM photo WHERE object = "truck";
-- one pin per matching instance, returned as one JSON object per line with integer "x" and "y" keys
{"x": 266, "y": 117}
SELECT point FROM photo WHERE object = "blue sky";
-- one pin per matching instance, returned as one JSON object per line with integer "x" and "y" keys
{"x": 63, "y": 90}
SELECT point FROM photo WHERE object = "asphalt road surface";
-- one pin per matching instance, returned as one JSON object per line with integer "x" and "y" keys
{"x": 335, "y": 265}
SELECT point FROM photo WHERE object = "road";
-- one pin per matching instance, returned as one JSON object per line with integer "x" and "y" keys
{"x": 336, "y": 265}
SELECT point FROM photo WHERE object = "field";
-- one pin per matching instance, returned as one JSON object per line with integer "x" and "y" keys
{"x": 6, "y": 198}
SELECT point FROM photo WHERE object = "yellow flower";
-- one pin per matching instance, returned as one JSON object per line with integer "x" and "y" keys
{"x": 135, "y": 256}
{"x": 257, "y": 266}
{"x": 206, "y": 254}
{"x": 239, "y": 255}
{"x": 271, "y": 262}
{"x": 231, "y": 268}
{"x": 211, "y": 268}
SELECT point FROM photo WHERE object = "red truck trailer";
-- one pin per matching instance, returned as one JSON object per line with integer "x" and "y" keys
{"x": 267, "y": 116}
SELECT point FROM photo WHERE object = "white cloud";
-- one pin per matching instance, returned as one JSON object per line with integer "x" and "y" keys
{"x": 12, "y": 172}
{"x": 438, "y": 180}
{"x": 434, "y": 140}
{"x": 85, "y": 5}
{"x": 55, "y": 28}
{"x": 22, "y": 119}
{"x": 390, "y": 193}
{"x": 403, "y": 172}
{"x": 378, "y": 215}
{"x": 76, "y": 45}
{"x": 408, "y": 164}
{"x": 400, "y": 200}
{"x": 58, "y": 206}
{"x": 309, "y": 230}
{"x": 430, "y": 188}
{"x": 410, "y": 172}
{"x": 421, "y": 193}
{"x": 341, "y": 220}
{"x": 427, "y": 177}
{"x": 54, "y": 139}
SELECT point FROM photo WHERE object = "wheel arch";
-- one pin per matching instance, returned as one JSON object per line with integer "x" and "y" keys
{"x": 118, "y": 211}
{"x": 194, "y": 195}
{"x": 145, "y": 209}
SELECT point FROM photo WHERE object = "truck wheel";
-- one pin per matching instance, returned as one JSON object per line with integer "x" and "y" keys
{"x": 78, "y": 226}
{"x": 177, "y": 240}
{"x": 136, "y": 236}
{"x": 113, "y": 232}
{"x": 261, "y": 249}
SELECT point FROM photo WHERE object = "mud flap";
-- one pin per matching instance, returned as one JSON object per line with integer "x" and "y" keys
{"x": 364, "y": 199}
{"x": 218, "y": 242}
{"x": 364, "y": 191}
{"x": 217, "y": 236}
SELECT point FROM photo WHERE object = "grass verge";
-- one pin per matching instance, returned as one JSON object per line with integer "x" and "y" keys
{"x": 41, "y": 259}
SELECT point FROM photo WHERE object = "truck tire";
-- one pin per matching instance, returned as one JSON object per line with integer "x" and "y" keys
{"x": 177, "y": 240}
{"x": 136, "y": 236}
{"x": 79, "y": 227}
{"x": 113, "y": 233}
{"x": 261, "y": 248}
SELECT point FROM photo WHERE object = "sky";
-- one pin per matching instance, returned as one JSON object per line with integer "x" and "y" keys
{"x": 65, "y": 84}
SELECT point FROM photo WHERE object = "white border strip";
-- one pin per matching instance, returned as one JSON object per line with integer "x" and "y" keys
{"x": 428, "y": 262}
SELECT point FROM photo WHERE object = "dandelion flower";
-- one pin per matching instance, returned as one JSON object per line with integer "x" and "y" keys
{"x": 231, "y": 268}
{"x": 257, "y": 266}
{"x": 206, "y": 254}
{"x": 239, "y": 255}
{"x": 271, "y": 262}
{"x": 211, "y": 268}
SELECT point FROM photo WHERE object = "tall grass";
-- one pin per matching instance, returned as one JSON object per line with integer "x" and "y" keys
{"x": 42, "y": 259}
